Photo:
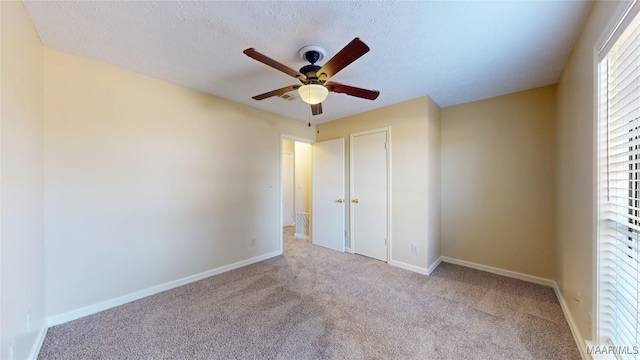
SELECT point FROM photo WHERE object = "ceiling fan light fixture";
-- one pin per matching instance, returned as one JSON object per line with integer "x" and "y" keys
{"x": 313, "y": 93}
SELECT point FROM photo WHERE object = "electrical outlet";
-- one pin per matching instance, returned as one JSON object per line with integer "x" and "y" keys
{"x": 253, "y": 241}
{"x": 270, "y": 187}
{"x": 414, "y": 248}
{"x": 12, "y": 350}
{"x": 29, "y": 320}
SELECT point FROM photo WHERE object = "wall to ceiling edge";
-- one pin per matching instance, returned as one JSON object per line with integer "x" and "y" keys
{"x": 113, "y": 96}
{"x": 22, "y": 243}
{"x": 135, "y": 183}
{"x": 576, "y": 169}
{"x": 415, "y": 173}
{"x": 498, "y": 177}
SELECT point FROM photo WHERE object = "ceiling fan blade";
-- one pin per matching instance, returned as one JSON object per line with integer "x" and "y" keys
{"x": 352, "y": 90}
{"x": 276, "y": 92}
{"x": 344, "y": 57}
{"x": 252, "y": 53}
{"x": 316, "y": 109}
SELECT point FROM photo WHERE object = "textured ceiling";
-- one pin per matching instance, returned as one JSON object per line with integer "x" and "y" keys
{"x": 454, "y": 52}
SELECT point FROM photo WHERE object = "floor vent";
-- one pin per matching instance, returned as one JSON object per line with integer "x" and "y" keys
{"x": 302, "y": 225}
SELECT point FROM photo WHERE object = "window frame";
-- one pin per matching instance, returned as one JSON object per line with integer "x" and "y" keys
{"x": 622, "y": 17}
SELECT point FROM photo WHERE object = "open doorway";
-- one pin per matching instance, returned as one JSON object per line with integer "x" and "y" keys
{"x": 288, "y": 186}
{"x": 296, "y": 187}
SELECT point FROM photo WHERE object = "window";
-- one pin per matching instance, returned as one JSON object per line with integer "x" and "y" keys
{"x": 619, "y": 184}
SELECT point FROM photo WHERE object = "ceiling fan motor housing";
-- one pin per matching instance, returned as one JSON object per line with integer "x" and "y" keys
{"x": 312, "y": 54}
{"x": 310, "y": 72}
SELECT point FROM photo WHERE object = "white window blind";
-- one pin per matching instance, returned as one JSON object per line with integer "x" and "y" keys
{"x": 619, "y": 204}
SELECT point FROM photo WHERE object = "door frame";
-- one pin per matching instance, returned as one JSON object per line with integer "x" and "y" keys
{"x": 351, "y": 190}
{"x": 280, "y": 195}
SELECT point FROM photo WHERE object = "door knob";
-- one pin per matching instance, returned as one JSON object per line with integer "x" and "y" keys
{"x": 339, "y": 201}
{"x": 354, "y": 201}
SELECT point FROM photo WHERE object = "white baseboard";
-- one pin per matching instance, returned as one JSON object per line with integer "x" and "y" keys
{"x": 434, "y": 266}
{"x": 494, "y": 270}
{"x": 92, "y": 309}
{"x": 35, "y": 349}
{"x": 537, "y": 280}
{"x": 402, "y": 265}
{"x": 580, "y": 342}
{"x": 416, "y": 269}
{"x": 534, "y": 279}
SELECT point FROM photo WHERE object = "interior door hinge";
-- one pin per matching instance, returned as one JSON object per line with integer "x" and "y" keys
{"x": 385, "y": 146}
{"x": 385, "y": 241}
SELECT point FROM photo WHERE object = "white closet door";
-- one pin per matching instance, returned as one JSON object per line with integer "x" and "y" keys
{"x": 369, "y": 198}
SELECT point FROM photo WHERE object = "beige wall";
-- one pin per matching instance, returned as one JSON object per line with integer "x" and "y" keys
{"x": 575, "y": 264}
{"x": 148, "y": 178}
{"x": 288, "y": 146}
{"x": 148, "y": 182}
{"x": 22, "y": 279}
{"x": 434, "y": 212}
{"x": 303, "y": 176}
{"x": 498, "y": 182}
{"x": 414, "y": 172}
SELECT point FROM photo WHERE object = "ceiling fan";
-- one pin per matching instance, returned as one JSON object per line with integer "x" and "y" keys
{"x": 315, "y": 87}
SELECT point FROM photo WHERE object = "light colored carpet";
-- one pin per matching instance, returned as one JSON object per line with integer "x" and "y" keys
{"x": 314, "y": 303}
